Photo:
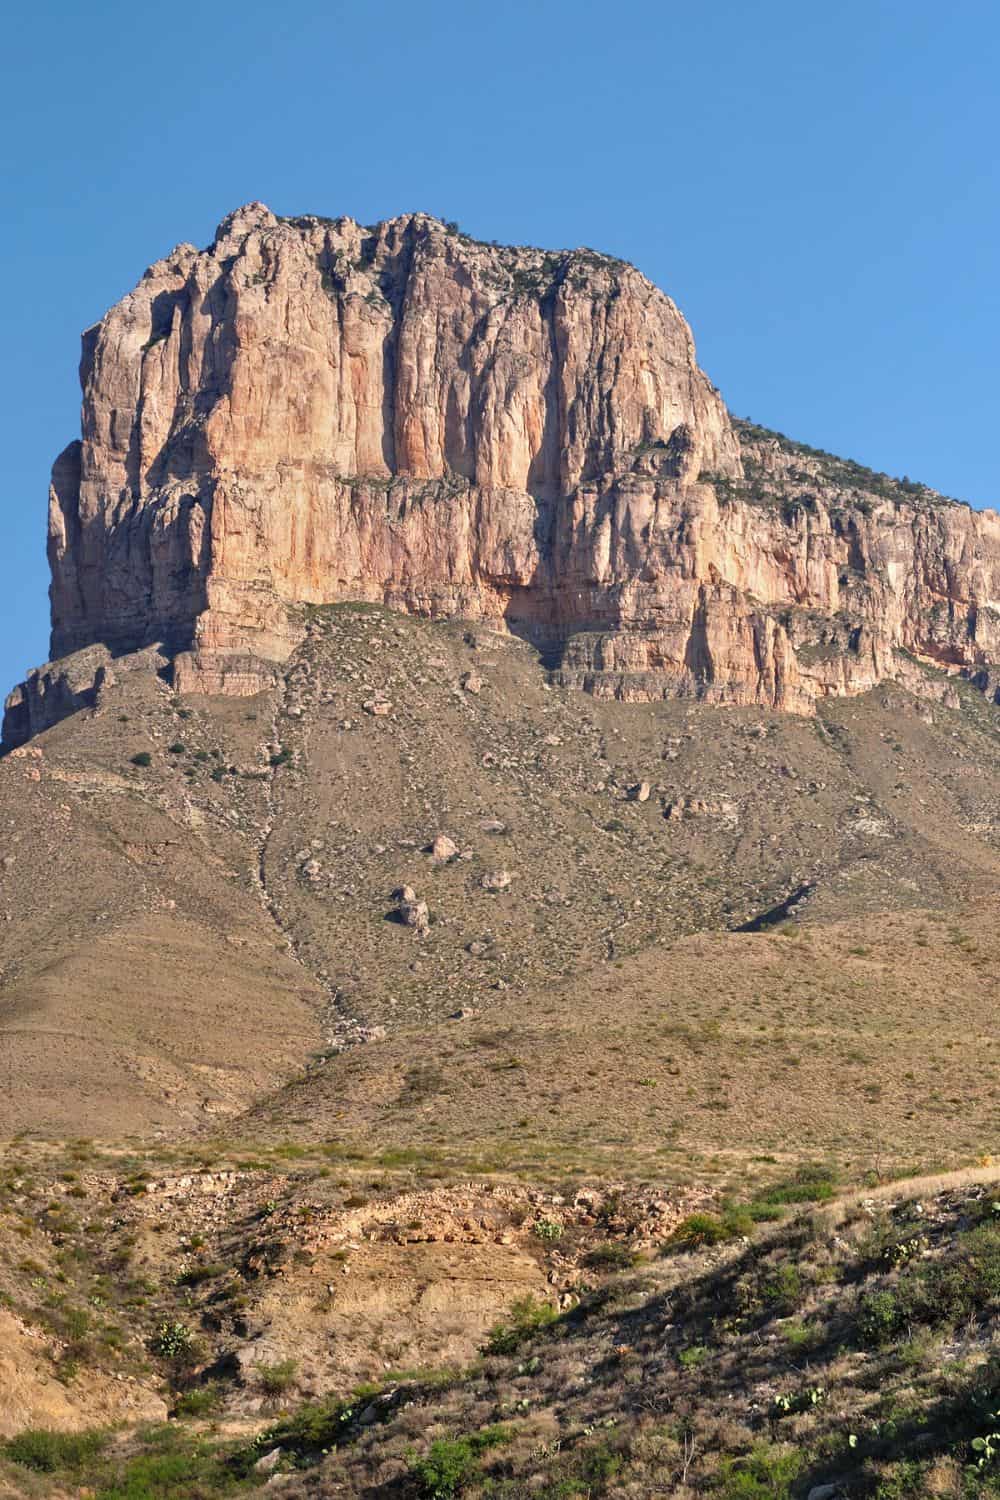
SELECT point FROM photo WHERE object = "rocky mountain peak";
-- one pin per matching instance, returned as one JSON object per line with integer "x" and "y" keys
{"x": 313, "y": 410}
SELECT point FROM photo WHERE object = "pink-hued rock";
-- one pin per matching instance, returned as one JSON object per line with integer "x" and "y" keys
{"x": 312, "y": 411}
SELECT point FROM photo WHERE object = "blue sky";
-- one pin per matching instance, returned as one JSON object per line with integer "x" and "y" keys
{"x": 815, "y": 185}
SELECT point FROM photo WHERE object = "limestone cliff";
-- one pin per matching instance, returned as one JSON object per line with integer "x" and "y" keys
{"x": 312, "y": 411}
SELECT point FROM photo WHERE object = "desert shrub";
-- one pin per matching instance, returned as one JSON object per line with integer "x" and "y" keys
{"x": 942, "y": 1292}
{"x": 173, "y": 1467}
{"x": 612, "y": 1256}
{"x": 527, "y": 1316}
{"x": 173, "y": 1340}
{"x": 879, "y": 1317}
{"x": 142, "y": 759}
{"x": 903, "y": 1481}
{"x": 450, "y": 1463}
{"x": 766, "y": 1473}
{"x": 700, "y": 1229}
{"x": 277, "y": 1378}
{"x": 737, "y": 1220}
{"x": 812, "y": 1183}
{"x": 206, "y": 1271}
{"x": 547, "y": 1229}
{"x": 47, "y": 1451}
{"x": 200, "y": 1401}
{"x": 311, "y": 1430}
{"x": 781, "y": 1288}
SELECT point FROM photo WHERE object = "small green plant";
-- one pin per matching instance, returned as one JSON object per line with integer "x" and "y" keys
{"x": 547, "y": 1229}
{"x": 987, "y": 1446}
{"x": 794, "y": 1404}
{"x": 172, "y": 1340}
{"x": 143, "y": 759}
{"x": 177, "y": 748}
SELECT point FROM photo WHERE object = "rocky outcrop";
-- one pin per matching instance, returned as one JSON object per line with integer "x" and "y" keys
{"x": 312, "y": 411}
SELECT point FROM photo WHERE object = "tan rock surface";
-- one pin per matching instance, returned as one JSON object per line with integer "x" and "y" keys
{"x": 312, "y": 411}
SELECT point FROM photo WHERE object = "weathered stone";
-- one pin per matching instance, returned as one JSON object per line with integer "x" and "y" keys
{"x": 541, "y": 454}
{"x": 414, "y": 914}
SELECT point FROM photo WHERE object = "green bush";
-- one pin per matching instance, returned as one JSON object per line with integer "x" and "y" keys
{"x": 451, "y": 1463}
{"x": 700, "y": 1229}
{"x": 527, "y": 1316}
{"x": 766, "y": 1473}
{"x": 941, "y": 1292}
{"x": 312, "y": 1429}
{"x": 142, "y": 759}
{"x": 277, "y": 1378}
{"x": 547, "y": 1229}
{"x": 613, "y": 1256}
{"x": 182, "y": 1469}
{"x": 172, "y": 1340}
{"x": 879, "y": 1317}
{"x": 200, "y": 1401}
{"x": 813, "y": 1183}
{"x": 47, "y": 1451}
{"x": 206, "y": 1271}
{"x": 781, "y": 1288}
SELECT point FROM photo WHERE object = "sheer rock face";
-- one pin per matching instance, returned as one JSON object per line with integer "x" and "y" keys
{"x": 311, "y": 411}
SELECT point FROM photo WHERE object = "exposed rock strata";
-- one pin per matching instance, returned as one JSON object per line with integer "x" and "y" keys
{"x": 312, "y": 411}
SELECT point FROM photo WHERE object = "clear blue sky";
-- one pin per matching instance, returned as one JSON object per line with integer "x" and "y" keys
{"x": 815, "y": 185}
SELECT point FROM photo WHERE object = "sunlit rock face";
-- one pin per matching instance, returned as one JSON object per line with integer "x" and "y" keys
{"x": 312, "y": 411}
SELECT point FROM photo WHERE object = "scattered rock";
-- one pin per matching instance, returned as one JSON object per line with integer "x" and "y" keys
{"x": 639, "y": 792}
{"x": 472, "y": 682}
{"x": 416, "y": 915}
{"x": 496, "y": 880}
{"x": 694, "y": 807}
{"x": 443, "y": 849}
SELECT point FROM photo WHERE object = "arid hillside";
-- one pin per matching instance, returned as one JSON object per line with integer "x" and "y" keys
{"x": 204, "y": 897}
